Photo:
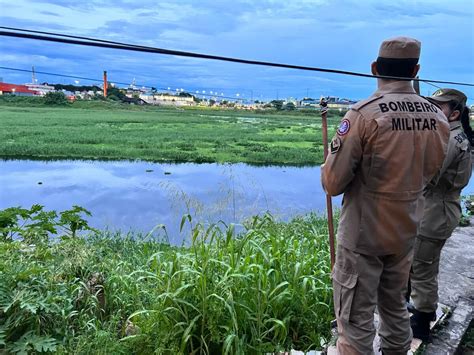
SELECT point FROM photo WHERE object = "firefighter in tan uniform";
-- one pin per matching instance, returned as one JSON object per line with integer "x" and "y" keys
{"x": 442, "y": 211}
{"x": 385, "y": 152}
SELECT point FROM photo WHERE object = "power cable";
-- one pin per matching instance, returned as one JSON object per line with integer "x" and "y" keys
{"x": 436, "y": 86}
{"x": 54, "y": 74}
{"x": 120, "y": 83}
{"x": 439, "y": 87}
{"x": 93, "y": 42}
{"x": 144, "y": 86}
{"x": 71, "y": 36}
{"x": 91, "y": 79}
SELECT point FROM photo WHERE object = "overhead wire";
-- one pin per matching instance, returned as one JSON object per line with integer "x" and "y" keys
{"x": 436, "y": 86}
{"x": 94, "y": 42}
{"x": 193, "y": 92}
{"x": 121, "y": 83}
{"x": 51, "y": 74}
{"x": 439, "y": 87}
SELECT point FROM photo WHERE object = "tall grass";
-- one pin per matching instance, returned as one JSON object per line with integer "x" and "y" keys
{"x": 266, "y": 289}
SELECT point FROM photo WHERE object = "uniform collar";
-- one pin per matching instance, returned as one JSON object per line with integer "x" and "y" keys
{"x": 395, "y": 87}
{"x": 454, "y": 124}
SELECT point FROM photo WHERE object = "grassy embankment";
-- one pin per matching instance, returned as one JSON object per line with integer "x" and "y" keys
{"x": 264, "y": 290}
{"x": 109, "y": 130}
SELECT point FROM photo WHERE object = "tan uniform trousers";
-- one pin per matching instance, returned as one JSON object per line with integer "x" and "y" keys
{"x": 424, "y": 274}
{"x": 362, "y": 282}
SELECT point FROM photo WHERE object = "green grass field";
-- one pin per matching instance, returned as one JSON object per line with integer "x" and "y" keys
{"x": 107, "y": 130}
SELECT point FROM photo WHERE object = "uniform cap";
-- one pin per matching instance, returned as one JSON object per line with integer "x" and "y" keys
{"x": 400, "y": 48}
{"x": 448, "y": 95}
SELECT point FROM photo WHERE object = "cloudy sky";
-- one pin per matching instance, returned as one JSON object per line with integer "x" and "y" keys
{"x": 339, "y": 34}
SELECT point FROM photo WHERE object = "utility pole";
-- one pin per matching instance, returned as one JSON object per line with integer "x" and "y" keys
{"x": 105, "y": 83}
{"x": 33, "y": 76}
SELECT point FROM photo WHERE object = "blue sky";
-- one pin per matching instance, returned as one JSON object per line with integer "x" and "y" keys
{"x": 342, "y": 34}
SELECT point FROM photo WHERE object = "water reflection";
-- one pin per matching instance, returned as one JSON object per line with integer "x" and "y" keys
{"x": 137, "y": 196}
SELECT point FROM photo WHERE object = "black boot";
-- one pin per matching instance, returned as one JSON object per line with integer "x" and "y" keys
{"x": 420, "y": 324}
{"x": 411, "y": 309}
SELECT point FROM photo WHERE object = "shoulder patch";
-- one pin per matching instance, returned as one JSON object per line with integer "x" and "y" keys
{"x": 365, "y": 102}
{"x": 335, "y": 145}
{"x": 344, "y": 127}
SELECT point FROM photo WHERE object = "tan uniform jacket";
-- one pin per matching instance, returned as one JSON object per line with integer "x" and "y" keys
{"x": 385, "y": 152}
{"x": 442, "y": 198}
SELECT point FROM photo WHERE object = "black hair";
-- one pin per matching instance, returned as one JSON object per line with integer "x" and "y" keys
{"x": 396, "y": 67}
{"x": 465, "y": 120}
{"x": 466, "y": 126}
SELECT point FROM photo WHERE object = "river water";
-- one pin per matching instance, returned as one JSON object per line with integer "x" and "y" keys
{"x": 138, "y": 196}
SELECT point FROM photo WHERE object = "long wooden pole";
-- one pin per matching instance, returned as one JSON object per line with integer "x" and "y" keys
{"x": 105, "y": 83}
{"x": 332, "y": 249}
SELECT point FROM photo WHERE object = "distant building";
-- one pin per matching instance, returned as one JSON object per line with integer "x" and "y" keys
{"x": 338, "y": 103}
{"x": 168, "y": 100}
{"x": 40, "y": 89}
{"x": 15, "y": 89}
{"x": 70, "y": 96}
{"x": 134, "y": 91}
{"x": 255, "y": 106}
{"x": 133, "y": 100}
{"x": 290, "y": 100}
{"x": 333, "y": 103}
{"x": 308, "y": 102}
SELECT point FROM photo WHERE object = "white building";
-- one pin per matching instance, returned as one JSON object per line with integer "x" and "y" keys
{"x": 168, "y": 100}
{"x": 40, "y": 89}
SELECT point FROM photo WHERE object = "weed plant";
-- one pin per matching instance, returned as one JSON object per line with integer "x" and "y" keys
{"x": 467, "y": 210}
{"x": 264, "y": 290}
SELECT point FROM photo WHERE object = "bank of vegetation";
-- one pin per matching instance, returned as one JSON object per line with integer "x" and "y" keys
{"x": 29, "y": 128}
{"x": 68, "y": 289}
